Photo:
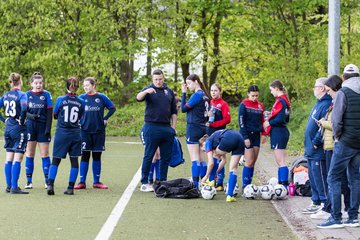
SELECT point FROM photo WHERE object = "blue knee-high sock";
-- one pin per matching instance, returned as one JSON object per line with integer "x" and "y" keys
{"x": 29, "y": 168}
{"x": 96, "y": 167}
{"x": 15, "y": 172}
{"x": 73, "y": 175}
{"x": 7, "y": 170}
{"x": 45, "y": 167}
{"x": 157, "y": 169}
{"x": 52, "y": 173}
{"x": 231, "y": 183}
{"x": 195, "y": 172}
{"x": 84, "y": 167}
{"x": 151, "y": 173}
{"x": 283, "y": 175}
{"x": 213, "y": 171}
{"x": 247, "y": 175}
{"x": 221, "y": 176}
{"x": 203, "y": 168}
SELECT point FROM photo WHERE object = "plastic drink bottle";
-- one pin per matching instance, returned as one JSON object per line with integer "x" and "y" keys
{"x": 291, "y": 189}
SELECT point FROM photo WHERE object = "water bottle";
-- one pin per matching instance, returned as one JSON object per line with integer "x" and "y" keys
{"x": 291, "y": 189}
{"x": 212, "y": 117}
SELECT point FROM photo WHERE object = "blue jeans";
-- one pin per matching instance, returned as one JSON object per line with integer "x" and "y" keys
{"x": 344, "y": 185}
{"x": 344, "y": 158}
{"x": 157, "y": 135}
{"x": 317, "y": 177}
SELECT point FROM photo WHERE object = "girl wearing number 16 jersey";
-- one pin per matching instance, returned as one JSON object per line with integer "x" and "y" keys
{"x": 68, "y": 111}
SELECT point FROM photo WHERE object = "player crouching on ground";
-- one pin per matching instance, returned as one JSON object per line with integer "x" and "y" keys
{"x": 219, "y": 144}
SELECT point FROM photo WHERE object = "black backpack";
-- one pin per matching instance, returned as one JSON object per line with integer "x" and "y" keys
{"x": 176, "y": 188}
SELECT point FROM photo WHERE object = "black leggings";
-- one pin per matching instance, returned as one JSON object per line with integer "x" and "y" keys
{"x": 73, "y": 160}
{"x": 85, "y": 157}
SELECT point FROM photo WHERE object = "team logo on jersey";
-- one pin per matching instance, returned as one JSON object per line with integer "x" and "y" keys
{"x": 259, "y": 106}
{"x": 97, "y": 100}
{"x": 218, "y": 105}
{"x": 166, "y": 92}
{"x": 42, "y": 98}
{"x": 30, "y": 97}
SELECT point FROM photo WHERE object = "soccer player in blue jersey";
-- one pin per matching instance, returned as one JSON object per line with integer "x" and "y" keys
{"x": 14, "y": 103}
{"x": 275, "y": 126}
{"x": 68, "y": 111}
{"x": 218, "y": 144}
{"x": 93, "y": 125}
{"x": 196, "y": 118}
{"x": 38, "y": 124}
{"x": 251, "y": 119}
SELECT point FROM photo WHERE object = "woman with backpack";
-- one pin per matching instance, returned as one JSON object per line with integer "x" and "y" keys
{"x": 275, "y": 126}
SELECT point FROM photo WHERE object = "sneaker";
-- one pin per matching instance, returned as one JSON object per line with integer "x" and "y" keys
{"x": 100, "y": 185}
{"x": 351, "y": 223}
{"x": 50, "y": 190}
{"x": 313, "y": 208}
{"x": 331, "y": 223}
{"x": 69, "y": 191}
{"x": 28, "y": 185}
{"x": 219, "y": 188}
{"x": 146, "y": 188}
{"x": 80, "y": 186}
{"x": 230, "y": 199}
{"x": 45, "y": 186}
{"x": 320, "y": 215}
{"x": 17, "y": 191}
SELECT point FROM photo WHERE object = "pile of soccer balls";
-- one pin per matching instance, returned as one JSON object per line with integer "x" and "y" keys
{"x": 272, "y": 190}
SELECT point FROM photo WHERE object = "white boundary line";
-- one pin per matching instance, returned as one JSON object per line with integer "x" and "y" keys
{"x": 113, "y": 219}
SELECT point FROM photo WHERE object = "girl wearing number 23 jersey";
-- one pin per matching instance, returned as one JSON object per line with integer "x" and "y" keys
{"x": 14, "y": 103}
{"x": 68, "y": 111}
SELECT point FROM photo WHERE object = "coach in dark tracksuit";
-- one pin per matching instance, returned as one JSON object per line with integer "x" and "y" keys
{"x": 159, "y": 129}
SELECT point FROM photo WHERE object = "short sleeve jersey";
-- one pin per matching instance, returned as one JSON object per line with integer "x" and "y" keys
{"x": 69, "y": 110}
{"x": 13, "y": 102}
{"x": 93, "y": 118}
{"x": 38, "y": 103}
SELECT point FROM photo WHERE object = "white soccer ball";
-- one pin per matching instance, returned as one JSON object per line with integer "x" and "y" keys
{"x": 273, "y": 181}
{"x": 235, "y": 192}
{"x": 208, "y": 192}
{"x": 280, "y": 191}
{"x": 250, "y": 191}
{"x": 267, "y": 192}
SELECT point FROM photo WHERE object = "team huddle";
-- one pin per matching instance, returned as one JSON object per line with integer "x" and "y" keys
{"x": 80, "y": 131}
{"x": 206, "y": 131}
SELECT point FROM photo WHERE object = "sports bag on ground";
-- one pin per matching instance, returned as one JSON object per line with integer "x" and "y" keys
{"x": 176, "y": 188}
{"x": 177, "y": 154}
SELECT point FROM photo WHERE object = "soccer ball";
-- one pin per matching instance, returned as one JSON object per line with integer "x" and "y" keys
{"x": 250, "y": 191}
{"x": 280, "y": 191}
{"x": 273, "y": 181}
{"x": 208, "y": 192}
{"x": 235, "y": 192}
{"x": 267, "y": 192}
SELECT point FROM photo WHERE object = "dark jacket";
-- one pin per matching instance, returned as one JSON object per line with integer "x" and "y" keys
{"x": 346, "y": 113}
{"x": 313, "y": 132}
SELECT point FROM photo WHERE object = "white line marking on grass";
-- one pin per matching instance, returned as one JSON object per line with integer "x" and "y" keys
{"x": 113, "y": 219}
